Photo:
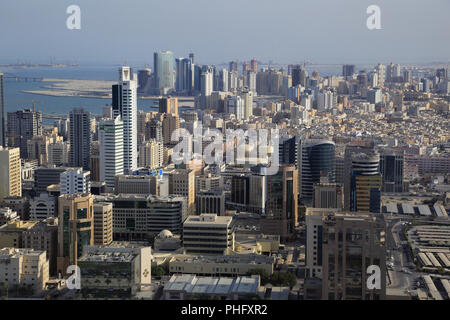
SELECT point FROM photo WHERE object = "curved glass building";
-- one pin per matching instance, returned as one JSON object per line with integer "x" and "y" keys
{"x": 317, "y": 160}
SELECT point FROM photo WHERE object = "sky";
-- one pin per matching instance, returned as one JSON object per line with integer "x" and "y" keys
{"x": 218, "y": 31}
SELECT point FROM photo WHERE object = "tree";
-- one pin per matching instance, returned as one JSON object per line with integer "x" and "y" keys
{"x": 262, "y": 273}
{"x": 158, "y": 271}
{"x": 285, "y": 279}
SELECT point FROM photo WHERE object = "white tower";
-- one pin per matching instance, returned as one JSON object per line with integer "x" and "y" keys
{"x": 110, "y": 136}
{"x": 128, "y": 84}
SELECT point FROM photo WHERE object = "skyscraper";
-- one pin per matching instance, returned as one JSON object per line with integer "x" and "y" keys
{"x": 23, "y": 125}
{"x": 164, "y": 71}
{"x": 351, "y": 242}
{"x": 2, "y": 111}
{"x": 80, "y": 139}
{"x": 185, "y": 75}
{"x": 125, "y": 104}
{"x": 75, "y": 228}
{"x": 10, "y": 173}
{"x": 281, "y": 203}
{"x": 365, "y": 188}
{"x": 168, "y": 105}
{"x": 75, "y": 180}
{"x": 254, "y": 65}
{"x": 391, "y": 167}
{"x": 348, "y": 70}
{"x": 317, "y": 160}
{"x": 110, "y": 135}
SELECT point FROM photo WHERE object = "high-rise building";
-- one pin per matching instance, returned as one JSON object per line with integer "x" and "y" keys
{"x": 351, "y": 242}
{"x": 75, "y": 180}
{"x": 164, "y": 71}
{"x": 151, "y": 154}
{"x": 380, "y": 70}
{"x": 103, "y": 223}
{"x": 317, "y": 160}
{"x": 153, "y": 130}
{"x": 22, "y": 126}
{"x": 233, "y": 66}
{"x": 24, "y": 268}
{"x": 80, "y": 139}
{"x": 247, "y": 98}
{"x": 254, "y": 65}
{"x": 170, "y": 123}
{"x": 211, "y": 201}
{"x": 223, "y": 80}
{"x": 374, "y": 95}
{"x": 365, "y": 187}
{"x": 208, "y": 234}
{"x": 10, "y": 173}
{"x": 168, "y": 105}
{"x": 125, "y": 105}
{"x": 43, "y": 236}
{"x": 281, "y": 210}
{"x": 110, "y": 135}
{"x": 235, "y": 105}
{"x": 137, "y": 216}
{"x": 185, "y": 75}
{"x": 2, "y": 111}
{"x": 348, "y": 70}
{"x": 182, "y": 183}
{"x": 392, "y": 164}
{"x": 75, "y": 228}
{"x": 328, "y": 195}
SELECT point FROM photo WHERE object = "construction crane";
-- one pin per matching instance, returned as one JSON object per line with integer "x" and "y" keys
{"x": 28, "y": 101}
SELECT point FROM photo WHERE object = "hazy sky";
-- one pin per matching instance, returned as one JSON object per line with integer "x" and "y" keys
{"x": 285, "y": 31}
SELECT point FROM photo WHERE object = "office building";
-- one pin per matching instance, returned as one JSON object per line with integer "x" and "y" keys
{"x": 375, "y": 96}
{"x": 328, "y": 195}
{"x": 211, "y": 201}
{"x": 182, "y": 183}
{"x": 43, "y": 206}
{"x": 24, "y": 268}
{"x": 46, "y": 176}
{"x": 170, "y": 123}
{"x": 136, "y": 184}
{"x": 247, "y": 98}
{"x": 235, "y": 105}
{"x": 103, "y": 223}
{"x": 11, "y": 233}
{"x": 121, "y": 268}
{"x": 184, "y": 75}
{"x": 138, "y": 216}
{"x": 125, "y": 104}
{"x": 151, "y": 154}
{"x": 348, "y": 70}
{"x": 314, "y": 236}
{"x": 75, "y": 180}
{"x": 58, "y": 153}
{"x": 80, "y": 139}
{"x": 164, "y": 71}
{"x": 208, "y": 234}
{"x": 350, "y": 244}
{"x": 23, "y": 125}
{"x": 10, "y": 173}
{"x": 392, "y": 164}
{"x": 75, "y": 228}
{"x": 168, "y": 105}
{"x": 111, "y": 137}
{"x": 317, "y": 160}
{"x": 366, "y": 183}
{"x": 43, "y": 236}
{"x": 281, "y": 207}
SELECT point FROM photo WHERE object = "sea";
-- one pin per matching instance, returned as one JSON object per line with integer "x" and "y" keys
{"x": 16, "y": 99}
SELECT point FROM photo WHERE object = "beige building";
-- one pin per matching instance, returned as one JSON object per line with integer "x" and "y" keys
{"x": 182, "y": 183}
{"x": 10, "y": 174}
{"x": 11, "y": 234}
{"x": 351, "y": 242}
{"x": 24, "y": 267}
{"x": 75, "y": 228}
{"x": 142, "y": 184}
{"x": 151, "y": 154}
{"x": 221, "y": 265}
{"x": 103, "y": 223}
{"x": 208, "y": 234}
